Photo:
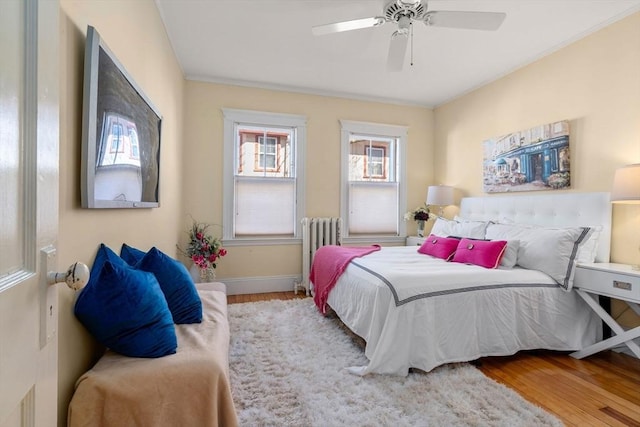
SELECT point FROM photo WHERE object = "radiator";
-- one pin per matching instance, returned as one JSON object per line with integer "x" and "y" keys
{"x": 316, "y": 232}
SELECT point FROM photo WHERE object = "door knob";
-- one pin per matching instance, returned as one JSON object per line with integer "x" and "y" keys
{"x": 76, "y": 277}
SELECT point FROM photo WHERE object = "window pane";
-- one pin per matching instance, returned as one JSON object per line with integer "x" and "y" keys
{"x": 372, "y": 158}
{"x": 265, "y": 151}
{"x": 373, "y": 189}
{"x": 135, "y": 147}
{"x": 375, "y": 162}
{"x": 12, "y": 106}
{"x": 373, "y": 208}
{"x": 117, "y": 141}
{"x": 267, "y": 148}
{"x": 265, "y": 207}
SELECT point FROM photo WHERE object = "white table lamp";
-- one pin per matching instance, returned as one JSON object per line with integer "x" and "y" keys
{"x": 626, "y": 187}
{"x": 440, "y": 195}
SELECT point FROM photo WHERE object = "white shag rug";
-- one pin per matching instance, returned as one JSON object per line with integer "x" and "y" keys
{"x": 287, "y": 369}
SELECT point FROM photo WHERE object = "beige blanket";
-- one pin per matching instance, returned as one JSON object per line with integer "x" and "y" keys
{"x": 189, "y": 388}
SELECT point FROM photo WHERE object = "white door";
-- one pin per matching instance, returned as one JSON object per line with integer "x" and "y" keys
{"x": 28, "y": 211}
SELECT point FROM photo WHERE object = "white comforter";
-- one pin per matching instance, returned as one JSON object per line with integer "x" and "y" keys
{"x": 415, "y": 311}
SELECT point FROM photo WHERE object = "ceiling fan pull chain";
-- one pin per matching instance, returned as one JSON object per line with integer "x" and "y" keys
{"x": 411, "y": 43}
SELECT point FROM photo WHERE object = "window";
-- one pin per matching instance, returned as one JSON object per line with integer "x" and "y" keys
{"x": 373, "y": 188}
{"x": 135, "y": 145}
{"x": 116, "y": 138}
{"x": 263, "y": 176}
{"x": 118, "y": 148}
{"x": 267, "y": 152}
{"x": 375, "y": 162}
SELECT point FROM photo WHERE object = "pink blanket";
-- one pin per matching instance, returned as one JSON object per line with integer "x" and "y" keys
{"x": 329, "y": 262}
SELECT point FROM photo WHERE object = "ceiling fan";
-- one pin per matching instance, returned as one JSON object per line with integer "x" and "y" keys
{"x": 404, "y": 13}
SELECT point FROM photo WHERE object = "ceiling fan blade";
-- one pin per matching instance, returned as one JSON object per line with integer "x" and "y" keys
{"x": 488, "y": 21}
{"x": 397, "y": 51}
{"x": 356, "y": 24}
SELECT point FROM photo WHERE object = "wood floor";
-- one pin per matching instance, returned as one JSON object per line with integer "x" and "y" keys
{"x": 601, "y": 390}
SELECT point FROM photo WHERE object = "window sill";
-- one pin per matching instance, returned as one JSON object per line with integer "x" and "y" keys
{"x": 262, "y": 241}
{"x": 373, "y": 240}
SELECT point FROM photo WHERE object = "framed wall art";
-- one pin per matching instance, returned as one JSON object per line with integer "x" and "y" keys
{"x": 528, "y": 160}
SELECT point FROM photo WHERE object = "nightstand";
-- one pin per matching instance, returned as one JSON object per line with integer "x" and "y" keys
{"x": 415, "y": 241}
{"x": 617, "y": 281}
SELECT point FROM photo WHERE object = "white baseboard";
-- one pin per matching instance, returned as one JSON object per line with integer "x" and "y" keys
{"x": 260, "y": 285}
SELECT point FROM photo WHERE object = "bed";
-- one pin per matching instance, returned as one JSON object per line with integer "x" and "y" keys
{"x": 416, "y": 311}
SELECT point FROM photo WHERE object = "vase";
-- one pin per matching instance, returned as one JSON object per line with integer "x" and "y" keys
{"x": 420, "y": 228}
{"x": 202, "y": 275}
{"x": 207, "y": 275}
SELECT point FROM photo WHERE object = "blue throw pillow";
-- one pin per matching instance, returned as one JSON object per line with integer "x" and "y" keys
{"x": 103, "y": 255}
{"x": 125, "y": 310}
{"x": 177, "y": 285}
{"x": 131, "y": 255}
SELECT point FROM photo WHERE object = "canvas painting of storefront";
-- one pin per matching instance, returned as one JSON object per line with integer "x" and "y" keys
{"x": 528, "y": 160}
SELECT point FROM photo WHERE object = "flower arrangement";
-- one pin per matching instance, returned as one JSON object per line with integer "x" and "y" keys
{"x": 418, "y": 214}
{"x": 203, "y": 249}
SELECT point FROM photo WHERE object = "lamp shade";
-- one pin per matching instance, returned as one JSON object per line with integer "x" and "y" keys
{"x": 626, "y": 184}
{"x": 440, "y": 195}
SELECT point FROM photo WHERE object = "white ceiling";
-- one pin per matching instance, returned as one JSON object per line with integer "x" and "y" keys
{"x": 268, "y": 43}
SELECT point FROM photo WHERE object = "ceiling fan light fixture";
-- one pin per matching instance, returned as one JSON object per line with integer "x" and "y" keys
{"x": 404, "y": 3}
{"x": 404, "y": 22}
{"x": 395, "y": 9}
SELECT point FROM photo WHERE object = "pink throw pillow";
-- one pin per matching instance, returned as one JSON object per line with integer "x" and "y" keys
{"x": 439, "y": 247}
{"x": 484, "y": 253}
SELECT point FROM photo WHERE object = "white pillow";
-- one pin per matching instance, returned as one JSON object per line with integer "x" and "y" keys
{"x": 510, "y": 256}
{"x": 553, "y": 251}
{"x": 470, "y": 229}
{"x": 441, "y": 227}
{"x": 589, "y": 249}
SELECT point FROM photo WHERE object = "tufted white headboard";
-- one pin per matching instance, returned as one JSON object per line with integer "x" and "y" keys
{"x": 553, "y": 210}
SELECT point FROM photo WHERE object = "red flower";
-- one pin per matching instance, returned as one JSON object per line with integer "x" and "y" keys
{"x": 203, "y": 249}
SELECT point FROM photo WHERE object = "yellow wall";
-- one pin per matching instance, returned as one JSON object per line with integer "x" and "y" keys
{"x": 134, "y": 31}
{"x": 595, "y": 84}
{"x": 191, "y": 155}
{"x": 203, "y": 179}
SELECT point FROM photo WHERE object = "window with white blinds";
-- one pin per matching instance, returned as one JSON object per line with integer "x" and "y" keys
{"x": 263, "y": 175}
{"x": 373, "y": 188}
